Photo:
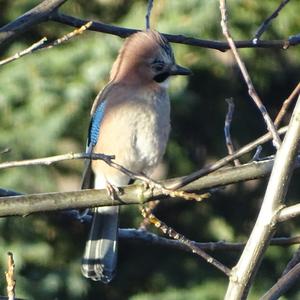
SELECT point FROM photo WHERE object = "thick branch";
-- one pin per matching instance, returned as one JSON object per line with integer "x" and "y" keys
{"x": 283, "y": 284}
{"x": 180, "y": 39}
{"x": 33, "y": 17}
{"x": 47, "y": 10}
{"x": 134, "y": 194}
{"x": 245, "y": 270}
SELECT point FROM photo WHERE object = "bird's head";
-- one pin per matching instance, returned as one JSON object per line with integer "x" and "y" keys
{"x": 146, "y": 56}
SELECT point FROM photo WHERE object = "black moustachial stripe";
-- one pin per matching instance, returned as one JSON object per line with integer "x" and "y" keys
{"x": 161, "y": 77}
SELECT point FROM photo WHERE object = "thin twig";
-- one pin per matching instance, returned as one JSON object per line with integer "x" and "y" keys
{"x": 154, "y": 239}
{"x": 53, "y": 159}
{"x": 227, "y": 125}
{"x": 41, "y": 45}
{"x": 257, "y": 153}
{"x": 251, "y": 90}
{"x": 181, "y": 182}
{"x": 156, "y": 185}
{"x": 182, "y": 239}
{"x": 263, "y": 27}
{"x": 24, "y": 52}
{"x": 148, "y": 14}
{"x": 9, "y": 275}
{"x": 283, "y": 284}
{"x": 68, "y": 36}
{"x": 286, "y": 105}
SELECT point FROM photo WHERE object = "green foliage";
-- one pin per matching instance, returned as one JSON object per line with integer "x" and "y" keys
{"x": 45, "y": 100}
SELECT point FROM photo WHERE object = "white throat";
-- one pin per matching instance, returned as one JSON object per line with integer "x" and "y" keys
{"x": 164, "y": 84}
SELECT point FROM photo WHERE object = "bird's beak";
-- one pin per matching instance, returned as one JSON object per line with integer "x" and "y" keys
{"x": 179, "y": 70}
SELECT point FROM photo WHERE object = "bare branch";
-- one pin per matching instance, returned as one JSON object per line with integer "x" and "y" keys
{"x": 151, "y": 238}
{"x": 134, "y": 194}
{"x": 183, "y": 240}
{"x": 283, "y": 284}
{"x": 286, "y": 105}
{"x": 40, "y": 45}
{"x": 265, "y": 225}
{"x": 24, "y": 52}
{"x": 33, "y": 17}
{"x": 148, "y": 14}
{"x": 251, "y": 90}
{"x": 181, "y": 182}
{"x": 53, "y": 159}
{"x": 289, "y": 212}
{"x": 47, "y": 10}
{"x": 9, "y": 275}
{"x": 295, "y": 259}
{"x": 180, "y": 39}
{"x": 263, "y": 27}
{"x": 228, "y": 121}
{"x": 68, "y": 36}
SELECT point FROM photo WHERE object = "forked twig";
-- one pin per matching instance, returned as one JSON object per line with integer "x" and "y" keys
{"x": 251, "y": 90}
{"x": 41, "y": 44}
{"x": 263, "y": 27}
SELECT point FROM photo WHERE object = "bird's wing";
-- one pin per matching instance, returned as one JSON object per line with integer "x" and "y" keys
{"x": 97, "y": 114}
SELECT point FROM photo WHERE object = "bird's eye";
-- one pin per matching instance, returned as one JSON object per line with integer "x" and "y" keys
{"x": 158, "y": 66}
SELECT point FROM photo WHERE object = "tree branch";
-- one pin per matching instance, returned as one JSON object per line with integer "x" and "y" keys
{"x": 263, "y": 27}
{"x": 180, "y": 238}
{"x": 289, "y": 212}
{"x": 245, "y": 270}
{"x": 183, "y": 181}
{"x": 133, "y": 194}
{"x": 283, "y": 284}
{"x": 251, "y": 90}
{"x": 144, "y": 236}
{"x": 286, "y": 103}
{"x": 48, "y": 10}
{"x": 228, "y": 120}
{"x": 33, "y": 17}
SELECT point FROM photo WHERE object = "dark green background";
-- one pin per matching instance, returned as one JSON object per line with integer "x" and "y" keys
{"x": 45, "y": 100}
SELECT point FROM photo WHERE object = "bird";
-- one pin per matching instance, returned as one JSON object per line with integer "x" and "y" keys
{"x": 130, "y": 119}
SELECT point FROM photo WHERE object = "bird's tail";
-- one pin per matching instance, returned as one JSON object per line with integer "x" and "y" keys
{"x": 100, "y": 256}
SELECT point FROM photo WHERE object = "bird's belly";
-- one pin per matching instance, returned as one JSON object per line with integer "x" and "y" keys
{"x": 148, "y": 142}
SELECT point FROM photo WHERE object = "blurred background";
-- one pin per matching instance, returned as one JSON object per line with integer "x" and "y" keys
{"x": 45, "y": 99}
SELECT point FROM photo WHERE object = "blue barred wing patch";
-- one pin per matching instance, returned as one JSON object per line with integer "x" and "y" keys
{"x": 95, "y": 124}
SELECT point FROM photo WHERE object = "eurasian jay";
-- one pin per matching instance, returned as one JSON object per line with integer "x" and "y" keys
{"x": 130, "y": 118}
